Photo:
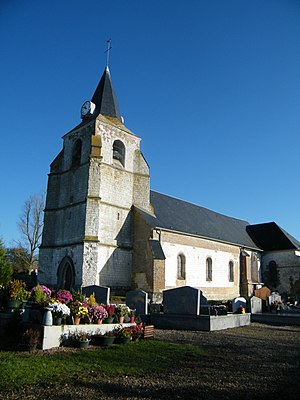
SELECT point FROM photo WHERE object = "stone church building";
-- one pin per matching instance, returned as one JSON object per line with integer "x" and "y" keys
{"x": 104, "y": 226}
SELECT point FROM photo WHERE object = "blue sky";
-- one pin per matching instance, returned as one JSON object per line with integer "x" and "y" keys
{"x": 212, "y": 88}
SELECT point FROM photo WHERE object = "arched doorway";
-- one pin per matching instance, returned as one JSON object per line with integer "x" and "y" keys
{"x": 66, "y": 274}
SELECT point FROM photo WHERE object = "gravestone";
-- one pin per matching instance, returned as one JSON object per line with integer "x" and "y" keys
{"x": 137, "y": 300}
{"x": 237, "y": 302}
{"x": 255, "y": 305}
{"x": 102, "y": 293}
{"x": 184, "y": 300}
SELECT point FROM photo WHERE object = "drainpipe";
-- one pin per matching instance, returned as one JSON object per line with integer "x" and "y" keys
{"x": 158, "y": 231}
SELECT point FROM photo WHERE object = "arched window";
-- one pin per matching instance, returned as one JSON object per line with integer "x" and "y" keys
{"x": 180, "y": 266}
{"x": 119, "y": 151}
{"x": 76, "y": 153}
{"x": 231, "y": 271}
{"x": 66, "y": 274}
{"x": 209, "y": 269}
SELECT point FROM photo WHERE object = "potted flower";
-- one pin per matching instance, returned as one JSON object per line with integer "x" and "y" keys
{"x": 131, "y": 316}
{"x": 81, "y": 339}
{"x": 122, "y": 311}
{"x": 137, "y": 332}
{"x": 92, "y": 300}
{"x": 30, "y": 339}
{"x": 97, "y": 313}
{"x": 110, "y": 308}
{"x": 78, "y": 311}
{"x": 241, "y": 310}
{"x": 123, "y": 335}
{"x": 103, "y": 338}
{"x": 17, "y": 293}
{"x": 59, "y": 311}
{"x": 63, "y": 296}
{"x": 41, "y": 294}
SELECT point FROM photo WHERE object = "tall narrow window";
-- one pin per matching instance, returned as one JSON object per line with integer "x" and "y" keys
{"x": 119, "y": 151}
{"x": 231, "y": 271}
{"x": 180, "y": 266}
{"x": 209, "y": 269}
{"x": 273, "y": 274}
{"x": 76, "y": 153}
{"x": 254, "y": 268}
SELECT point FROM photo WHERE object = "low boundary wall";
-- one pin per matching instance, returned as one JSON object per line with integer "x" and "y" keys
{"x": 277, "y": 318}
{"x": 199, "y": 322}
{"x": 52, "y": 334}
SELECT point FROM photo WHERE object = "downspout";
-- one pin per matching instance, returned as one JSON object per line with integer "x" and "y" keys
{"x": 158, "y": 231}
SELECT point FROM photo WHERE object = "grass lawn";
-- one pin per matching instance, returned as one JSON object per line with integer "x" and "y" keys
{"x": 55, "y": 368}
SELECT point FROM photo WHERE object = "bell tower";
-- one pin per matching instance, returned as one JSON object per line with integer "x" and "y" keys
{"x": 93, "y": 183}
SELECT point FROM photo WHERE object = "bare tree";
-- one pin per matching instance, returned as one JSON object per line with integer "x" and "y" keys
{"x": 30, "y": 226}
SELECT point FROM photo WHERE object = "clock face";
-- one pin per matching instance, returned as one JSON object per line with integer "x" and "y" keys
{"x": 85, "y": 109}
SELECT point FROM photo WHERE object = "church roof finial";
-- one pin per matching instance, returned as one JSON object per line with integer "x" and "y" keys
{"x": 108, "y": 51}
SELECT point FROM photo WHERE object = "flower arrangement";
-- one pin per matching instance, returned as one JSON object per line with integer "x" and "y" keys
{"x": 78, "y": 309}
{"x": 92, "y": 300}
{"x": 17, "y": 290}
{"x": 63, "y": 296}
{"x": 81, "y": 336}
{"x": 137, "y": 331}
{"x": 97, "y": 312}
{"x": 121, "y": 333}
{"x": 122, "y": 310}
{"x": 110, "y": 308}
{"x": 60, "y": 310}
{"x": 41, "y": 294}
{"x": 78, "y": 296}
{"x": 131, "y": 313}
{"x": 105, "y": 334}
{"x": 108, "y": 334}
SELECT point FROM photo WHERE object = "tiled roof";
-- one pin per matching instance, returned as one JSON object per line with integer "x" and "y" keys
{"x": 181, "y": 216}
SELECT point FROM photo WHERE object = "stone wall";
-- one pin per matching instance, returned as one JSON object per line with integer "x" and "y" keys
{"x": 196, "y": 251}
{"x": 88, "y": 207}
{"x": 50, "y": 259}
{"x": 142, "y": 266}
{"x": 288, "y": 268}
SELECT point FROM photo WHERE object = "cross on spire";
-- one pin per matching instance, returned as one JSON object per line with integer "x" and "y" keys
{"x": 108, "y": 51}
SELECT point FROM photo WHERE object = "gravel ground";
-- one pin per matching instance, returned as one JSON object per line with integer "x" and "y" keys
{"x": 253, "y": 362}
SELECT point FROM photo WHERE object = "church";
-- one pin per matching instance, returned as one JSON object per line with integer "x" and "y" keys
{"x": 103, "y": 225}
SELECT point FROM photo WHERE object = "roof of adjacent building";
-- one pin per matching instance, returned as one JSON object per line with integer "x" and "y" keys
{"x": 269, "y": 236}
{"x": 181, "y": 216}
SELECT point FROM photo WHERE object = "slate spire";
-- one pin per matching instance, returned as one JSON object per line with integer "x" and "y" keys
{"x": 105, "y": 99}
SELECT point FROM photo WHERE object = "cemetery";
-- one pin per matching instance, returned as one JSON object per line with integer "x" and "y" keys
{"x": 62, "y": 317}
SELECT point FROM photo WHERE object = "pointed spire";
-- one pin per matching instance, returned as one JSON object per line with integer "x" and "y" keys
{"x": 105, "y": 99}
